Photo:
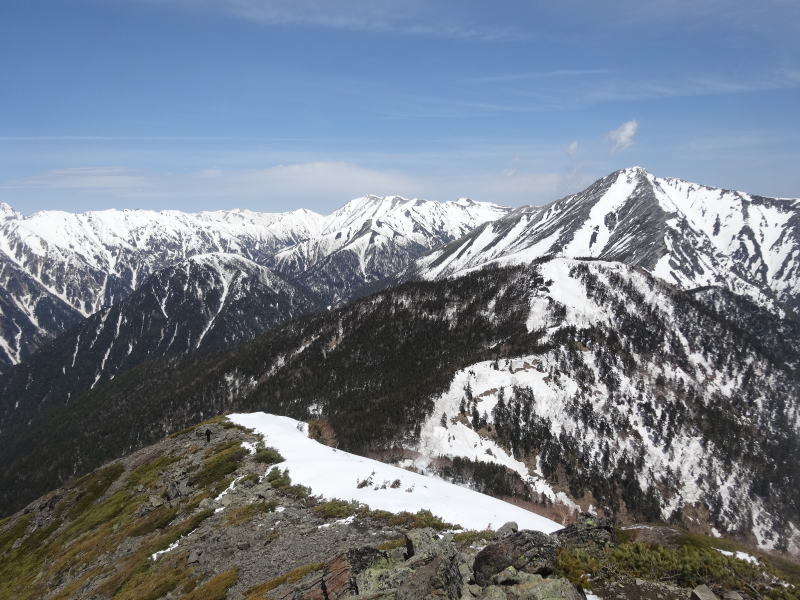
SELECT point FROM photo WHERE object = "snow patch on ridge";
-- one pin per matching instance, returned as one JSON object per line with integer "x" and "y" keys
{"x": 333, "y": 473}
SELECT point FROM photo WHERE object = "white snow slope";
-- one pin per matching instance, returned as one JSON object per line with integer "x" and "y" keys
{"x": 688, "y": 234}
{"x": 335, "y": 474}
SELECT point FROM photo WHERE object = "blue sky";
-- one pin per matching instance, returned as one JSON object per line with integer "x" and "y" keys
{"x": 277, "y": 104}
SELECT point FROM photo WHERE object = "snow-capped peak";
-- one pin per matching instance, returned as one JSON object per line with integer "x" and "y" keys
{"x": 634, "y": 169}
{"x": 689, "y": 234}
{"x": 6, "y": 210}
{"x": 359, "y": 210}
{"x": 374, "y": 237}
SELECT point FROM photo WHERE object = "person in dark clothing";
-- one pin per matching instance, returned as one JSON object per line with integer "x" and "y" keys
{"x": 208, "y": 436}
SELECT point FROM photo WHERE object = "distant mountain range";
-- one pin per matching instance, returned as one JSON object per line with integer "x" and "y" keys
{"x": 367, "y": 242}
{"x": 631, "y": 348}
{"x": 57, "y": 268}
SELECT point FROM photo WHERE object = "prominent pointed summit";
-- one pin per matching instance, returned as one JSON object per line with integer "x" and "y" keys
{"x": 690, "y": 235}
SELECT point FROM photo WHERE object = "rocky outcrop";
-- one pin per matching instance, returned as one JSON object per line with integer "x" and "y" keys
{"x": 589, "y": 532}
{"x": 341, "y": 575}
{"x": 529, "y": 551}
{"x": 430, "y": 568}
{"x": 511, "y": 584}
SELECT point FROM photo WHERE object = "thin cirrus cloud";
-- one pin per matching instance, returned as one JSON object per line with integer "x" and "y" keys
{"x": 412, "y": 17}
{"x": 569, "y": 89}
{"x": 315, "y": 184}
{"x": 535, "y": 75}
{"x": 81, "y": 178}
{"x": 623, "y": 136}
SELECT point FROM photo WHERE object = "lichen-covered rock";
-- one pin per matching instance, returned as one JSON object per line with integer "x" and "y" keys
{"x": 435, "y": 563}
{"x": 517, "y": 585}
{"x": 546, "y": 589}
{"x": 340, "y": 578}
{"x": 508, "y": 576}
{"x": 528, "y": 551}
{"x": 507, "y": 529}
{"x": 493, "y": 592}
{"x": 422, "y": 544}
{"x": 589, "y": 532}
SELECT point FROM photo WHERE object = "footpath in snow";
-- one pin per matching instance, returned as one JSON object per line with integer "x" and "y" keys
{"x": 333, "y": 473}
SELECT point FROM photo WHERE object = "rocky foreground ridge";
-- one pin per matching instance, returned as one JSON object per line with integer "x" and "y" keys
{"x": 205, "y": 514}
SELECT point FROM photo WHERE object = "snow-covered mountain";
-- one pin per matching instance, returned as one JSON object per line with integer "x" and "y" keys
{"x": 638, "y": 392}
{"x": 648, "y": 369}
{"x": 565, "y": 382}
{"x": 371, "y": 239}
{"x": 688, "y": 234}
{"x": 57, "y": 268}
{"x": 206, "y": 302}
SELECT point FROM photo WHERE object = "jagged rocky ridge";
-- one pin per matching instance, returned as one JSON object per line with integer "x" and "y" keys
{"x": 57, "y": 268}
{"x": 618, "y": 391}
{"x": 80, "y": 263}
{"x": 688, "y": 234}
{"x": 204, "y": 515}
{"x": 370, "y": 240}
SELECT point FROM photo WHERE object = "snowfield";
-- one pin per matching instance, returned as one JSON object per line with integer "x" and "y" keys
{"x": 333, "y": 473}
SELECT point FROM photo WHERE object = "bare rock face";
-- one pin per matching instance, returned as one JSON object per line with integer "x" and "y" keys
{"x": 340, "y": 579}
{"x": 529, "y": 551}
{"x": 703, "y": 592}
{"x": 430, "y": 569}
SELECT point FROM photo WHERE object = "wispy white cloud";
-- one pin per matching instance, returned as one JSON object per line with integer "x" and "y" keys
{"x": 622, "y": 137}
{"x": 536, "y": 75}
{"x": 737, "y": 141}
{"x": 633, "y": 89}
{"x": 764, "y": 15}
{"x": 297, "y": 184}
{"x": 572, "y": 149}
{"x": 510, "y": 96}
{"x": 84, "y": 178}
{"x": 410, "y": 17}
